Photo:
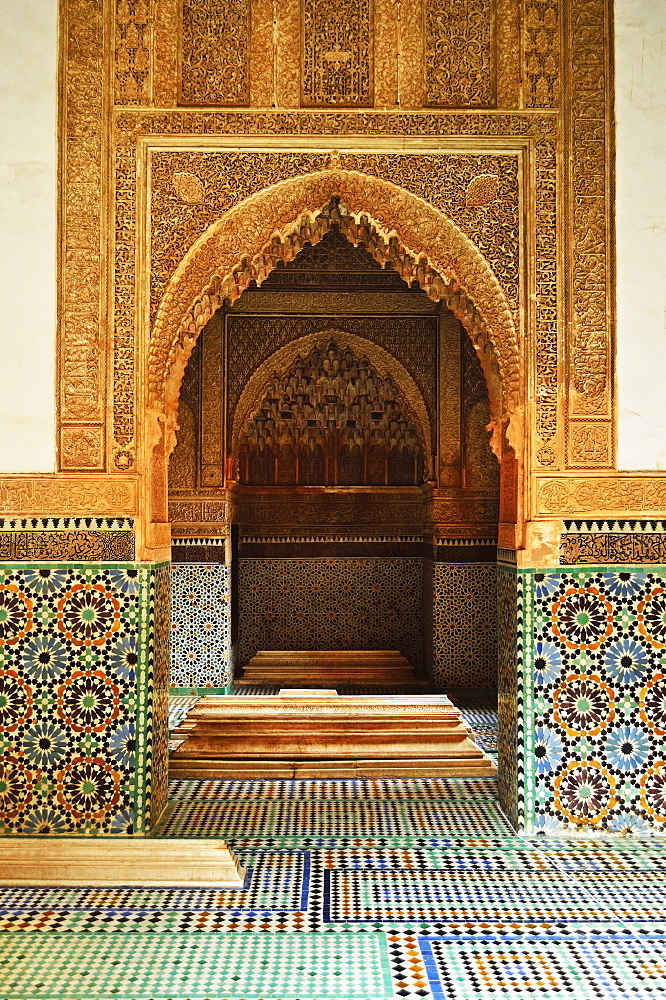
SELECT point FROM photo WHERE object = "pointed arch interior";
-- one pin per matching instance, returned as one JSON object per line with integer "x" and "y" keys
{"x": 393, "y": 224}
{"x": 381, "y": 361}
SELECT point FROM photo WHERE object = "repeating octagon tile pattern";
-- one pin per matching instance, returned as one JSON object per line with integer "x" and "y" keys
{"x": 82, "y": 697}
{"x": 597, "y": 735}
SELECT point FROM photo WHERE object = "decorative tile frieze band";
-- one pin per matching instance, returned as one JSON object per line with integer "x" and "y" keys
{"x": 82, "y": 523}
{"x": 97, "y": 546}
{"x": 614, "y": 527}
{"x": 625, "y": 549}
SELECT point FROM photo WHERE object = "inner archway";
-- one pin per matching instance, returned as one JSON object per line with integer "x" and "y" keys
{"x": 394, "y": 224}
{"x": 352, "y": 558}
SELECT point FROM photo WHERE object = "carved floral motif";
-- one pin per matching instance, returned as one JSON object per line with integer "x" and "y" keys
{"x": 541, "y": 53}
{"x": 459, "y": 48}
{"x": 214, "y": 65}
{"x": 132, "y": 51}
{"x": 612, "y": 495}
{"x": 591, "y": 212}
{"x": 337, "y": 53}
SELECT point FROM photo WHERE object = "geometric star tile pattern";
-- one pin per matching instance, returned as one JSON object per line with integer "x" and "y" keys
{"x": 81, "y": 697}
{"x": 201, "y": 625}
{"x": 355, "y": 889}
{"x": 333, "y": 602}
{"x": 464, "y": 624}
{"x": 596, "y": 729}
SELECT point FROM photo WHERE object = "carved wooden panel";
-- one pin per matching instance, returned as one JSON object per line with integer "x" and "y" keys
{"x": 214, "y": 66}
{"x": 331, "y": 420}
{"x": 337, "y": 53}
{"x": 213, "y": 397}
{"x": 481, "y": 469}
{"x": 460, "y": 56}
{"x": 410, "y": 339}
{"x": 183, "y": 462}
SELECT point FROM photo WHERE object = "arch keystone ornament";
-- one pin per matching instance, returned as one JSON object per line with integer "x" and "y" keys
{"x": 394, "y": 225}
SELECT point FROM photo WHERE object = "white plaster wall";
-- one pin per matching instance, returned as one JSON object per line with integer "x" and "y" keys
{"x": 640, "y": 107}
{"x": 28, "y": 88}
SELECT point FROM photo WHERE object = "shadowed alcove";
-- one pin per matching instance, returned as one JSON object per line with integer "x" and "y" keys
{"x": 327, "y": 407}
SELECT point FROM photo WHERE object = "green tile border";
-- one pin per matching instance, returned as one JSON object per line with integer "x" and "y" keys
{"x": 141, "y": 717}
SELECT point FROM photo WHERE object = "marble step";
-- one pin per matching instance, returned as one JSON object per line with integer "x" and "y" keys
{"x": 97, "y": 861}
{"x": 287, "y": 770}
{"x": 330, "y": 667}
{"x": 326, "y": 733}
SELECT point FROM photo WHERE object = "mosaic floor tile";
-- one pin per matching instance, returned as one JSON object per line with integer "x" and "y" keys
{"x": 475, "y": 896}
{"x": 406, "y": 859}
{"x": 273, "y": 880}
{"x": 588, "y": 970}
{"x": 281, "y": 818}
{"x": 248, "y": 966}
{"x": 638, "y": 892}
{"x": 357, "y": 889}
{"x": 604, "y": 856}
{"x": 452, "y": 843}
{"x": 335, "y": 790}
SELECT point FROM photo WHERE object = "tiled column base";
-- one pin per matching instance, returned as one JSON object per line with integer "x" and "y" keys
{"x": 592, "y": 757}
{"x": 84, "y": 654}
{"x": 201, "y": 627}
{"x": 464, "y": 616}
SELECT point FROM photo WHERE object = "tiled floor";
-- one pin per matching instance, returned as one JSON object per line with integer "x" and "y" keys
{"x": 363, "y": 890}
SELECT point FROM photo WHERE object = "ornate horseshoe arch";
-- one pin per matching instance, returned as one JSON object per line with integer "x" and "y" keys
{"x": 245, "y": 244}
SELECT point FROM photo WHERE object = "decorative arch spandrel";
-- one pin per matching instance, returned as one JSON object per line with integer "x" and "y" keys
{"x": 245, "y": 244}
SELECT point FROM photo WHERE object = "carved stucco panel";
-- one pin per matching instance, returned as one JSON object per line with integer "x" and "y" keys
{"x": 423, "y": 228}
{"x": 590, "y": 264}
{"x": 443, "y": 180}
{"x": 215, "y": 52}
{"x": 133, "y": 50}
{"x": 83, "y": 118}
{"x": 460, "y": 53}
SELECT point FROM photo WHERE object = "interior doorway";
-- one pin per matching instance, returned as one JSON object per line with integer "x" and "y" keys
{"x": 335, "y": 412}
